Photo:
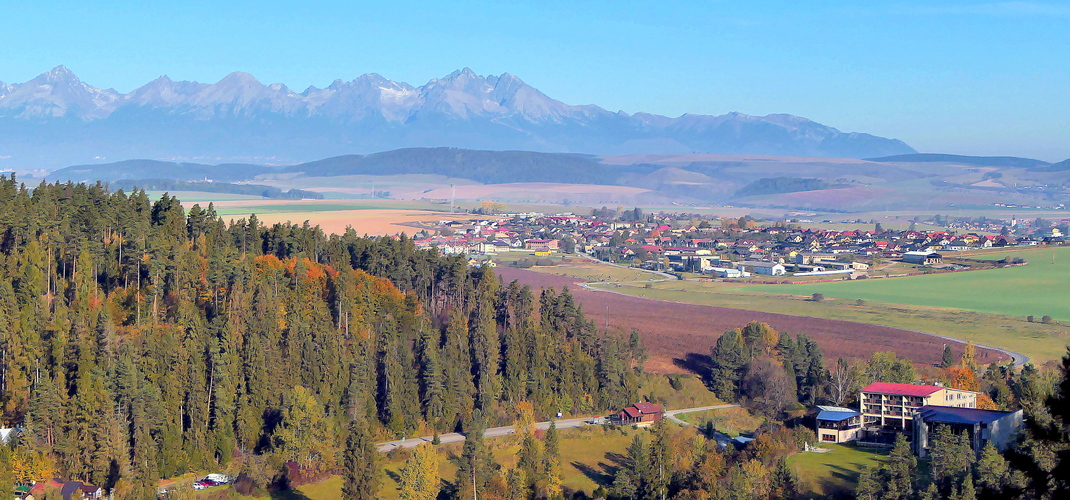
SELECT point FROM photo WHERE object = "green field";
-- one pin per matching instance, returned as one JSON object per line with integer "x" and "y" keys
{"x": 836, "y": 470}
{"x": 1037, "y": 289}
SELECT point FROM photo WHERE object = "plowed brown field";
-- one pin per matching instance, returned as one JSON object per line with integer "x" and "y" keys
{"x": 677, "y": 336}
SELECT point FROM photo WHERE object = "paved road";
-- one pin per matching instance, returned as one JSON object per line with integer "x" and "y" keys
{"x": 1018, "y": 358}
{"x": 455, "y": 437}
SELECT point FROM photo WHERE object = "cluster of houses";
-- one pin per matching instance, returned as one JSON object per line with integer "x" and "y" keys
{"x": 665, "y": 243}
{"x": 887, "y": 409}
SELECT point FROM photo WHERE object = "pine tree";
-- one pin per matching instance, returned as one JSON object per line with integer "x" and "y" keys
{"x": 552, "y": 458}
{"x": 947, "y": 359}
{"x": 361, "y": 465}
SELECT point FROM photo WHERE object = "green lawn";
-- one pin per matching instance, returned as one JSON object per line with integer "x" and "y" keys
{"x": 835, "y": 471}
{"x": 1037, "y": 289}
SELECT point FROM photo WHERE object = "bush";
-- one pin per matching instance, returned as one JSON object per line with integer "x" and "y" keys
{"x": 817, "y": 297}
{"x": 860, "y": 302}
{"x": 524, "y": 263}
{"x": 1029, "y": 318}
{"x": 1046, "y": 319}
{"x": 545, "y": 262}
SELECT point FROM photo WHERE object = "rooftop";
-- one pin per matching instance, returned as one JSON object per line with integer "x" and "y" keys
{"x": 904, "y": 389}
{"x": 953, "y": 415}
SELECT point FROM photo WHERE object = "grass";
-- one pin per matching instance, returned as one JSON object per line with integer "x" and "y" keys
{"x": 1036, "y": 289}
{"x": 836, "y": 470}
{"x": 730, "y": 421}
{"x": 691, "y": 393}
{"x": 588, "y": 457}
{"x": 589, "y": 271}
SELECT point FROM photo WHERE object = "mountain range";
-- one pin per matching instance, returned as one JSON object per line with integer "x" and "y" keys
{"x": 56, "y": 120}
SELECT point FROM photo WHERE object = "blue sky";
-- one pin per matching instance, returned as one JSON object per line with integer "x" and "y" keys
{"x": 964, "y": 77}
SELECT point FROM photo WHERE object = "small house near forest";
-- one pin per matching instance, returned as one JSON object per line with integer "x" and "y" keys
{"x": 641, "y": 414}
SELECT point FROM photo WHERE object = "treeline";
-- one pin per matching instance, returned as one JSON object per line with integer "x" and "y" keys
{"x": 143, "y": 341}
{"x": 214, "y": 187}
{"x": 778, "y": 185}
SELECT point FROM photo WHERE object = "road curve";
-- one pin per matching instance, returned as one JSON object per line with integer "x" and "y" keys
{"x": 455, "y": 437}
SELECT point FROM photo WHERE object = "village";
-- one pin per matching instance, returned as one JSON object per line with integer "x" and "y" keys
{"x": 729, "y": 248}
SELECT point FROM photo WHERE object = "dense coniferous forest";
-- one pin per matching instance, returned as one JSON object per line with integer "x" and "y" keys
{"x": 140, "y": 340}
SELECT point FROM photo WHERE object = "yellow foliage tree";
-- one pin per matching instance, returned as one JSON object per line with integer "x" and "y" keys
{"x": 420, "y": 476}
{"x": 524, "y": 419}
{"x": 969, "y": 356}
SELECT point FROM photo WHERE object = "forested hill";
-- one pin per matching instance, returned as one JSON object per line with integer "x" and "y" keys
{"x": 489, "y": 167}
{"x": 142, "y": 341}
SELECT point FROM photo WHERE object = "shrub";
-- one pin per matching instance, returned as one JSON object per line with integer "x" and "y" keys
{"x": 817, "y": 297}
{"x": 1046, "y": 319}
{"x": 860, "y": 302}
{"x": 545, "y": 262}
{"x": 1029, "y": 318}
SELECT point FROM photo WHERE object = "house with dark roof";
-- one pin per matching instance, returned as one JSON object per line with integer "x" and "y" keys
{"x": 837, "y": 425}
{"x": 642, "y": 414}
{"x": 1000, "y": 428}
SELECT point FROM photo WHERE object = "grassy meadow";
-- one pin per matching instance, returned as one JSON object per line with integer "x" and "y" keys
{"x": 1037, "y": 289}
{"x": 835, "y": 471}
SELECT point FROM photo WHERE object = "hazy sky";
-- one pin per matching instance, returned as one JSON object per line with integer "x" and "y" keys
{"x": 968, "y": 77}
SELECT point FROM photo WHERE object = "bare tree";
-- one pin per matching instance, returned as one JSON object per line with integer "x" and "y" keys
{"x": 769, "y": 385}
{"x": 842, "y": 382}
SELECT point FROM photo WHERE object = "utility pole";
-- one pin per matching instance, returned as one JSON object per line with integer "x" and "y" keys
{"x": 453, "y": 196}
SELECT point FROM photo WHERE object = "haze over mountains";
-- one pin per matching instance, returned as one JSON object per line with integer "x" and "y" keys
{"x": 57, "y": 120}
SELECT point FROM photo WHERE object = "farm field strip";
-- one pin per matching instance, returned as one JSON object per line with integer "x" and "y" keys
{"x": 1036, "y": 289}
{"x": 1040, "y": 342}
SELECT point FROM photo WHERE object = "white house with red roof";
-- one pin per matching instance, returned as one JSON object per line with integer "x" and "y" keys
{"x": 890, "y": 407}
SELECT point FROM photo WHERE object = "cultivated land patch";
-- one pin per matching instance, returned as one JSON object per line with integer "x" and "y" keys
{"x": 1038, "y": 289}
{"x": 1040, "y": 342}
{"x": 678, "y": 335}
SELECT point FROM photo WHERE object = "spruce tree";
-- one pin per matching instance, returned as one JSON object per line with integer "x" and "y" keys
{"x": 361, "y": 464}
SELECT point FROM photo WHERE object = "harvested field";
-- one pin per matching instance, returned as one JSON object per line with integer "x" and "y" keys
{"x": 370, "y": 222}
{"x": 678, "y": 336}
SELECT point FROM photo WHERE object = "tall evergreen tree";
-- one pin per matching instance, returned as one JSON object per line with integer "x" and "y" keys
{"x": 361, "y": 465}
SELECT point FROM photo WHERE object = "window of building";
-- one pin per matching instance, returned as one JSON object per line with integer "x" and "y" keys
{"x": 828, "y": 437}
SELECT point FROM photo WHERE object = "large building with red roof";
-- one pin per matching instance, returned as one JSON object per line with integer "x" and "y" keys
{"x": 890, "y": 407}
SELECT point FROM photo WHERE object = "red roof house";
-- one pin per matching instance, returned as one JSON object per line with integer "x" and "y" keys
{"x": 642, "y": 414}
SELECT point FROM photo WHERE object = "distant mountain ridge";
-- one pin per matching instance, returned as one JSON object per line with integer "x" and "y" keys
{"x": 980, "y": 161}
{"x": 56, "y": 119}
